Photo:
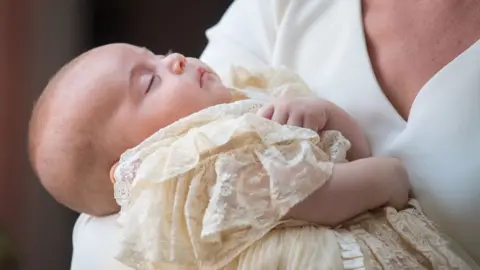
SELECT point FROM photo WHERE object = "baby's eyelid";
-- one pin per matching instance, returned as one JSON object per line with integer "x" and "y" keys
{"x": 153, "y": 78}
{"x": 156, "y": 77}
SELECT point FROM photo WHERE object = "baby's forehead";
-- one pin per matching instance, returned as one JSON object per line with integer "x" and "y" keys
{"x": 110, "y": 58}
{"x": 107, "y": 64}
{"x": 93, "y": 82}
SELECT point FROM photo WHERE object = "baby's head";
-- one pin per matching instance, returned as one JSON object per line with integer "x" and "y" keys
{"x": 100, "y": 104}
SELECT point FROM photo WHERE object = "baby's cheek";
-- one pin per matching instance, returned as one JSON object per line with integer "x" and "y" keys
{"x": 146, "y": 125}
{"x": 142, "y": 132}
{"x": 190, "y": 101}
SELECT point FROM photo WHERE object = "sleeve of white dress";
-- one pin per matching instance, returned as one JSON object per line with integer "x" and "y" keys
{"x": 95, "y": 243}
{"x": 245, "y": 35}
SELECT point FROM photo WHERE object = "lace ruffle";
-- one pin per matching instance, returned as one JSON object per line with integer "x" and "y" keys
{"x": 204, "y": 189}
{"x": 208, "y": 192}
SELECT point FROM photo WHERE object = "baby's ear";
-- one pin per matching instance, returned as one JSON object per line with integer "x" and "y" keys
{"x": 112, "y": 173}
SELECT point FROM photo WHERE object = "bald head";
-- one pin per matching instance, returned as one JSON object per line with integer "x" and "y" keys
{"x": 68, "y": 147}
{"x": 104, "y": 102}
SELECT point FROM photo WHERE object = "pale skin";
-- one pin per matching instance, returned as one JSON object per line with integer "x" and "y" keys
{"x": 162, "y": 89}
{"x": 408, "y": 42}
{"x": 106, "y": 101}
{"x": 363, "y": 184}
{"x": 411, "y": 40}
{"x": 136, "y": 92}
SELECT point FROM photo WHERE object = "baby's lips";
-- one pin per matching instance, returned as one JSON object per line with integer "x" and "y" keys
{"x": 201, "y": 70}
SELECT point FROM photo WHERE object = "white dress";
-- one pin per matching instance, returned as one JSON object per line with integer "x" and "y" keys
{"x": 324, "y": 42}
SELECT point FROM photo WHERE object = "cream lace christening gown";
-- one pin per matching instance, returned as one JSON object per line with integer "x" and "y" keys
{"x": 210, "y": 191}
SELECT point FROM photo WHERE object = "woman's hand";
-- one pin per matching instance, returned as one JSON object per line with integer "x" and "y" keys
{"x": 318, "y": 115}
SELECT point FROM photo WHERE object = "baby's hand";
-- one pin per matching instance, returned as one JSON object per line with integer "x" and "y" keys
{"x": 319, "y": 114}
{"x": 312, "y": 113}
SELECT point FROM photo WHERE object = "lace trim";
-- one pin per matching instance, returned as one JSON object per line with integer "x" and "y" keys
{"x": 201, "y": 196}
{"x": 388, "y": 239}
{"x": 279, "y": 82}
{"x": 351, "y": 252}
{"x": 131, "y": 159}
{"x": 404, "y": 239}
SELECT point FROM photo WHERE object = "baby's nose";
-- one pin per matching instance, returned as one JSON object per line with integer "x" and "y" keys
{"x": 177, "y": 62}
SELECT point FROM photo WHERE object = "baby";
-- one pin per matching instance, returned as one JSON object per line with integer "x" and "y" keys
{"x": 103, "y": 103}
{"x": 118, "y": 97}
{"x": 107, "y": 101}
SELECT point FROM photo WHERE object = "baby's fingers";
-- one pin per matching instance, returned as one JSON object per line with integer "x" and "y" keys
{"x": 295, "y": 119}
{"x": 311, "y": 123}
{"x": 280, "y": 116}
{"x": 266, "y": 111}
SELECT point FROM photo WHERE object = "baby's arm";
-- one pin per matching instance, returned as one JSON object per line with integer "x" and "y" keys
{"x": 339, "y": 119}
{"x": 319, "y": 115}
{"x": 365, "y": 183}
{"x": 354, "y": 188}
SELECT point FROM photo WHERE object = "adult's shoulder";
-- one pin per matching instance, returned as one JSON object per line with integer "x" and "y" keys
{"x": 248, "y": 33}
{"x": 245, "y": 35}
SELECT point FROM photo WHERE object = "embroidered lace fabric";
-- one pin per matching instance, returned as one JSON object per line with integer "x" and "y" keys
{"x": 202, "y": 190}
{"x": 209, "y": 192}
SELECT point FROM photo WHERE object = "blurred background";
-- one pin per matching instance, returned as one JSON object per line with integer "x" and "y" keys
{"x": 36, "y": 39}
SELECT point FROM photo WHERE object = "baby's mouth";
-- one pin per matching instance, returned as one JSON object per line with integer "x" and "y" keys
{"x": 201, "y": 75}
